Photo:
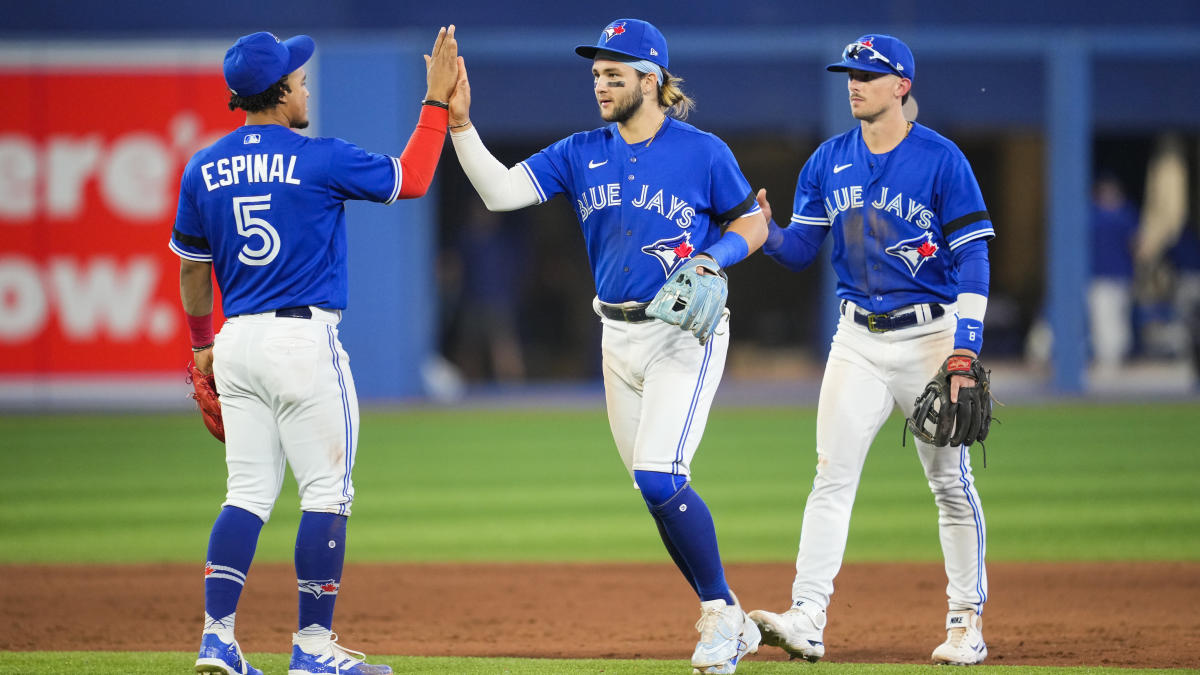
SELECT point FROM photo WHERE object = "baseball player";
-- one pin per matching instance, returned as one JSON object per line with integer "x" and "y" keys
{"x": 651, "y": 193}
{"x": 263, "y": 208}
{"x": 910, "y": 234}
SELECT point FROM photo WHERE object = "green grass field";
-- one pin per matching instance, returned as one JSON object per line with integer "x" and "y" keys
{"x": 1063, "y": 482}
{"x": 133, "y": 663}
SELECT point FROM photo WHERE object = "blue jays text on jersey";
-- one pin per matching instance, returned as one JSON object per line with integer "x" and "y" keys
{"x": 643, "y": 207}
{"x": 895, "y": 217}
{"x": 269, "y": 253}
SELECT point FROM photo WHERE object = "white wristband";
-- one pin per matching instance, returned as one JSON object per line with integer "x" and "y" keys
{"x": 972, "y": 306}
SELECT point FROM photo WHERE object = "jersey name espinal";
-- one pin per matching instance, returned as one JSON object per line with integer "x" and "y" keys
{"x": 600, "y": 196}
{"x": 258, "y": 168}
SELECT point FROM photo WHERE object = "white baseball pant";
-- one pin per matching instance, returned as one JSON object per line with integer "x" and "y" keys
{"x": 865, "y": 376}
{"x": 659, "y": 383}
{"x": 287, "y": 397}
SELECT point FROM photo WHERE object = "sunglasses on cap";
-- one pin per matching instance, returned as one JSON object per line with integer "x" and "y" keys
{"x": 854, "y": 52}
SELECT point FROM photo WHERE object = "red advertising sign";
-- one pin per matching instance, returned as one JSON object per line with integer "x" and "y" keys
{"x": 90, "y": 159}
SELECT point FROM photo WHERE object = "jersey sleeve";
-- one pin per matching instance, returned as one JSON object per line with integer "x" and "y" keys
{"x": 355, "y": 173}
{"x": 187, "y": 237}
{"x": 962, "y": 214}
{"x": 549, "y": 170}
{"x": 808, "y": 206}
{"x": 729, "y": 191}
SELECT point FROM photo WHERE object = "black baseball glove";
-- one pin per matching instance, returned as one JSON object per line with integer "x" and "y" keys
{"x": 939, "y": 422}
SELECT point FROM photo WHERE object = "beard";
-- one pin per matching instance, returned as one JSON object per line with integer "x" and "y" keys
{"x": 299, "y": 124}
{"x": 623, "y": 112}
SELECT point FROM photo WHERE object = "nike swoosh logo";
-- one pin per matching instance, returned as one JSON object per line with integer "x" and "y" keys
{"x": 843, "y": 167}
{"x": 970, "y": 327}
{"x": 593, "y": 163}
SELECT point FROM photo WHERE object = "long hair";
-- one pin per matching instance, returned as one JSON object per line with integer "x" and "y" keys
{"x": 262, "y": 101}
{"x": 671, "y": 97}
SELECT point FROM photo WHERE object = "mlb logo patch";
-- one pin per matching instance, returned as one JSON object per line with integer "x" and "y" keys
{"x": 251, "y": 139}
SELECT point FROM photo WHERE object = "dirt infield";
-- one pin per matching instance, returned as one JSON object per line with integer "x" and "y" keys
{"x": 1101, "y": 614}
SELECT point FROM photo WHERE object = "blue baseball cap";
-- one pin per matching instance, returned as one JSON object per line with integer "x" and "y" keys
{"x": 630, "y": 37}
{"x": 259, "y": 60}
{"x": 877, "y": 54}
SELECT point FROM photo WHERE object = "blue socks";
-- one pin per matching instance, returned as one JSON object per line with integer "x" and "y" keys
{"x": 687, "y": 530}
{"x": 320, "y": 552}
{"x": 230, "y": 551}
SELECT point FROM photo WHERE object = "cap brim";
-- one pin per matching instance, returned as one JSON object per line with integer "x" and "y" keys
{"x": 587, "y": 51}
{"x": 590, "y": 52}
{"x": 300, "y": 50}
{"x": 855, "y": 65}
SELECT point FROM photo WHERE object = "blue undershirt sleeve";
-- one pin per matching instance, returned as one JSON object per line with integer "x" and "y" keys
{"x": 794, "y": 246}
{"x": 974, "y": 270}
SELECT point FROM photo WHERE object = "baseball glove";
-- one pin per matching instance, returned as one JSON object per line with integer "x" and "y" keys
{"x": 207, "y": 398}
{"x": 691, "y": 300}
{"x": 939, "y": 422}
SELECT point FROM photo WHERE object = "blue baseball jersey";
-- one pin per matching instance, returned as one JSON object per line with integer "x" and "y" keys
{"x": 644, "y": 207}
{"x": 265, "y": 206}
{"x": 895, "y": 217}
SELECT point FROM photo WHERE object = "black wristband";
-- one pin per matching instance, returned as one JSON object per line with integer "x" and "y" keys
{"x": 203, "y": 347}
{"x": 432, "y": 102}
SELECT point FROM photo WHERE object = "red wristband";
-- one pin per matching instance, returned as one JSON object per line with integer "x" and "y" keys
{"x": 200, "y": 328}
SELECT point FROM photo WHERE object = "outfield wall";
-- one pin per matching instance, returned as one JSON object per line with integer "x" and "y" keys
{"x": 91, "y": 151}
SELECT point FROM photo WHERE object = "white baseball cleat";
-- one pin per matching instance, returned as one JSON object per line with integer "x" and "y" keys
{"x": 726, "y": 635}
{"x": 964, "y": 640}
{"x": 798, "y": 631}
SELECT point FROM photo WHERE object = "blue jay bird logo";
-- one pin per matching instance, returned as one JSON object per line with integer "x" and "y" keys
{"x": 670, "y": 253}
{"x": 317, "y": 588}
{"x": 614, "y": 30}
{"x": 914, "y": 252}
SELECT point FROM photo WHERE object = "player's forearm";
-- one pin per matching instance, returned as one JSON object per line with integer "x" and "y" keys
{"x": 974, "y": 276}
{"x": 753, "y": 229}
{"x": 420, "y": 157}
{"x": 501, "y": 188}
{"x": 196, "y": 293}
{"x": 794, "y": 246}
{"x": 195, "y": 287}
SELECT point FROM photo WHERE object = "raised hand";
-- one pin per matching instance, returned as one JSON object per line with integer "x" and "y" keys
{"x": 460, "y": 100}
{"x": 441, "y": 69}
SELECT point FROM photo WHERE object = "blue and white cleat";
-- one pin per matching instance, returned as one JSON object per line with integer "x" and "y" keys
{"x": 330, "y": 657}
{"x": 222, "y": 658}
{"x": 798, "y": 631}
{"x": 726, "y": 635}
{"x": 964, "y": 640}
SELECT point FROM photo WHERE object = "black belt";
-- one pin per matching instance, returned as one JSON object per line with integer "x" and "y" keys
{"x": 895, "y": 319}
{"x": 630, "y": 313}
{"x": 302, "y": 312}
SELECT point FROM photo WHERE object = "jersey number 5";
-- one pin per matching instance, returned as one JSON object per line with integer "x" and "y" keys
{"x": 248, "y": 225}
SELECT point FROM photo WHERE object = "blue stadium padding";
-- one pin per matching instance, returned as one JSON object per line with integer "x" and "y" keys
{"x": 1069, "y": 162}
{"x": 835, "y": 119}
{"x": 388, "y": 327}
